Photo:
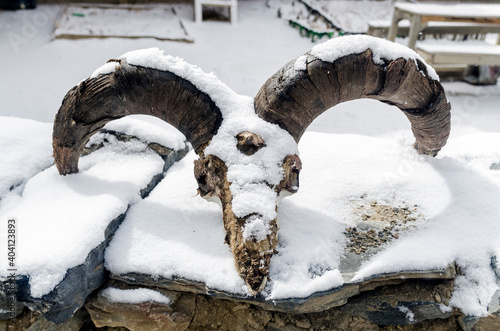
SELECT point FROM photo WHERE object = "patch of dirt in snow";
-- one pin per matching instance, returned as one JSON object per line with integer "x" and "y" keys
{"x": 379, "y": 223}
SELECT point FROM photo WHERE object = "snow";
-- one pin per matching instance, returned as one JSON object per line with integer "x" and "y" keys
{"x": 479, "y": 48}
{"x": 409, "y": 314}
{"x": 155, "y": 58}
{"x": 452, "y": 10}
{"x": 381, "y": 48}
{"x": 301, "y": 63}
{"x": 353, "y": 16}
{"x": 105, "y": 69}
{"x": 332, "y": 181}
{"x": 159, "y": 132}
{"x": 178, "y": 228}
{"x": 255, "y": 227}
{"x": 474, "y": 289}
{"x": 185, "y": 233}
{"x": 309, "y": 252}
{"x": 250, "y": 191}
{"x": 361, "y": 148}
{"x": 249, "y": 198}
{"x": 20, "y": 141}
{"x": 138, "y": 295}
{"x": 59, "y": 219}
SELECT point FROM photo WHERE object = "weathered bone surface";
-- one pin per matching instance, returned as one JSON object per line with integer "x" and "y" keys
{"x": 252, "y": 257}
{"x": 292, "y": 99}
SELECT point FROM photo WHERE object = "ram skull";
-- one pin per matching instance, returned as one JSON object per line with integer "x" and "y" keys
{"x": 247, "y": 148}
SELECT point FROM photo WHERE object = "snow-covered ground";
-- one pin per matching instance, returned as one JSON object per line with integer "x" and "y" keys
{"x": 360, "y": 148}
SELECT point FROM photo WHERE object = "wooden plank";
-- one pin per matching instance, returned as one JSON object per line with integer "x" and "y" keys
{"x": 224, "y": 3}
{"x": 438, "y": 18}
{"x": 437, "y": 57}
{"x": 380, "y": 29}
{"x": 459, "y": 10}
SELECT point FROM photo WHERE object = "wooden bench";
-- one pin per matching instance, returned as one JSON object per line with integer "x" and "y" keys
{"x": 421, "y": 15}
{"x": 457, "y": 30}
{"x": 441, "y": 18}
{"x": 450, "y": 53}
{"x": 231, "y": 4}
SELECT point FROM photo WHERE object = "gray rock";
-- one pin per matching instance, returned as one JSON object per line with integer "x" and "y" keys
{"x": 69, "y": 296}
{"x": 32, "y": 321}
{"x": 390, "y": 310}
{"x": 145, "y": 316}
{"x": 492, "y": 321}
{"x": 13, "y": 292}
{"x": 317, "y": 302}
{"x": 401, "y": 305}
{"x": 495, "y": 166}
{"x": 73, "y": 324}
{"x": 487, "y": 323}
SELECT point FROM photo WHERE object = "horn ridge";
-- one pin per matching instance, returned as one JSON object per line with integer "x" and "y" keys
{"x": 404, "y": 83}
{"x": 130, "y": 90}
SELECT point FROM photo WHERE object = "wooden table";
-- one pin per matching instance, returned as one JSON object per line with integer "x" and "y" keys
{"x": 420, "y": 14}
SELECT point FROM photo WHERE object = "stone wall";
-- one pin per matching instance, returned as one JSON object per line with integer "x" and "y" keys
{"x": 415, "y": 300}
{"x": 371, "y": 310}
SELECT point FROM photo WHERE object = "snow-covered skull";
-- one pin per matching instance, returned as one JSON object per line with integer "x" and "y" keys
{"x": 211, "y": 172}
{"x": 251, "y": 227}
{"x": 247, "y": 147}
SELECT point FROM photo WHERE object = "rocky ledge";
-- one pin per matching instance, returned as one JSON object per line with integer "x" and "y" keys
{"x": 410, "y": 300}
{"x": 399, "y": 301}
{"x": 70, "y": 294}
{"x": 405, "y": 301}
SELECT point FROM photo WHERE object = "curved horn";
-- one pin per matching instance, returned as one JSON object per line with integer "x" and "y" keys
{"x": 306, "y": 87}
{"x": 130, "y": 89}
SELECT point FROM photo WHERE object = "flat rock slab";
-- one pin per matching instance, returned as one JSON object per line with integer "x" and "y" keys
{"x": 395, "y": 301}
{"x": 312, "y": 271}
{"x": 315, "y": 303}
{"x": 60, "y": 287}
{"x": 145, "y": 315}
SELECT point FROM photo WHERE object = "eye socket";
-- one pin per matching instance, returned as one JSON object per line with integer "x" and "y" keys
{"x": 200, "y": 174}
{"x": 210, "y": 174}
{"x": 293, "y": 183}
{"x": 291, "y": 166}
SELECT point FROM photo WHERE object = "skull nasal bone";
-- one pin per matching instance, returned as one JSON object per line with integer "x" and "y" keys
{"x": 249, "y": 143}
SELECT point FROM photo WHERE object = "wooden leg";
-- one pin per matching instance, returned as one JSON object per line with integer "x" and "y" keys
{"x": 233, "y": 12}
{"x": 198, "y": 11}
{"x": 415, "y": 28}
{"x": 393, "y": 30}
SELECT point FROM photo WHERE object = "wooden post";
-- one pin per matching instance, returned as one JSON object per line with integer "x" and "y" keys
{"x": 393, "y": 30}
{"x": 415, "y": 28}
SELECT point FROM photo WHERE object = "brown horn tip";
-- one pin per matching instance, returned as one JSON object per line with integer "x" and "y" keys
{"x": 66, "y": 160}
